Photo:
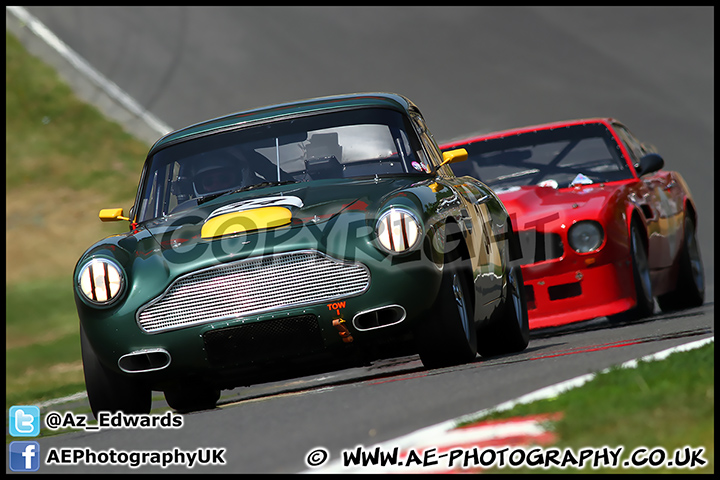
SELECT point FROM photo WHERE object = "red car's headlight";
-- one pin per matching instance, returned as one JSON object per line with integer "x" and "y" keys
{"x": 586, "y": 236}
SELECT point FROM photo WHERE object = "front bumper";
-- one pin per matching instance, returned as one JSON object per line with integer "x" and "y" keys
{"x": 578, "y": 293}
{"x": 244, "y": 349}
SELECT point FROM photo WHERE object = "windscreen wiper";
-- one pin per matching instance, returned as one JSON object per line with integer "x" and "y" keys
{"x": 213, "y": 196}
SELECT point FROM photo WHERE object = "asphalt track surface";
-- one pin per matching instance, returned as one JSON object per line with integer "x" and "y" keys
{"x": 470, "y": 70}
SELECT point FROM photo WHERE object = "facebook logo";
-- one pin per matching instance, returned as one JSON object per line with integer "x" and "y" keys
{"x": 24, "y": 421}
{"x": 24, "y": 456}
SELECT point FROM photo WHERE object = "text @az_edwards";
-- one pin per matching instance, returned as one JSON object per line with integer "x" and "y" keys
{"x": 113, "y": 420}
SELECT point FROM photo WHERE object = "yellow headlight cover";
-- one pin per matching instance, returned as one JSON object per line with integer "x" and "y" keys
{"x": 245, "y": 221}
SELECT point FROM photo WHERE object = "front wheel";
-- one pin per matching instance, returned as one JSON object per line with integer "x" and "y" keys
{"x": 690, "y": 291}
{"x": 645, "y": 304}
{"x": 511, "y": 332}
{"x": 190, "y": 399}
{"x": 448, "y": 336}
{"x": 109, "y": 391}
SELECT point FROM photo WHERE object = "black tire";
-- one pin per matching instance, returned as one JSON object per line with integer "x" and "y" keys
{"x": 690, "y": 291}
{"x": 511, "y": 332}
{"x": 188, "y": 399}
{"x": 448, "y": 336}
{"x": 645, "y": 305}
{"x": 108, "y": 390}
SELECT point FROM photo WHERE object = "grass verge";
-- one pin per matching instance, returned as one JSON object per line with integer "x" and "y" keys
{"x": 667, "y": 404}
{"x": 64, "y": 162}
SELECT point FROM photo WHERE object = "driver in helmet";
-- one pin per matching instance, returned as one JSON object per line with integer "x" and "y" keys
{"x": 219, "y": 173}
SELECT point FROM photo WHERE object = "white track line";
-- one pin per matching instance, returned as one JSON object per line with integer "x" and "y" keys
{"x": 57, "y": 401}
{"x": 110, "y": 88}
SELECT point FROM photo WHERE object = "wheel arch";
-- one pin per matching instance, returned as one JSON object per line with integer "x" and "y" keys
{"x": 689, "y": 209}
{"x": 452, "y": 227}
{"x": 462, "y": 251}
{"x": 636, "y": 218}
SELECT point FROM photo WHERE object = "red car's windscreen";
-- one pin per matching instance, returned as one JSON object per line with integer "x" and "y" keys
{"x": 560, "y": 157}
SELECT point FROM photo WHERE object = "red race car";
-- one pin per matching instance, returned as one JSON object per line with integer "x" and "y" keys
{"x": 604, "y": 229}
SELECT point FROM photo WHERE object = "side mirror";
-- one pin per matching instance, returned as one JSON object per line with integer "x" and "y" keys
{"x": 453, "y": 156}
{"x": 652, "y": 162}
{"x": 112, "y": 215}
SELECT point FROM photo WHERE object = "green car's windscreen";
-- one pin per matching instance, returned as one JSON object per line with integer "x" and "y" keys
{"x": 347, "y": 144}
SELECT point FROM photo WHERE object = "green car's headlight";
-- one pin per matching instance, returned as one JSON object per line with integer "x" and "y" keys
{"x": 101, "y": 281}
{"x": 586, "y": 236}
{"x": 398, "y": 230}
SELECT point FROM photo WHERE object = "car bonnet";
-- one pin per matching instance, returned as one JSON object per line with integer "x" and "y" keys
{"x": 257, "y": 211}
{"x": 532, "y": 206}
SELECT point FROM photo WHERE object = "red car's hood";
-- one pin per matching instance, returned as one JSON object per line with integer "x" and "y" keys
{"x": 533, "y": 205}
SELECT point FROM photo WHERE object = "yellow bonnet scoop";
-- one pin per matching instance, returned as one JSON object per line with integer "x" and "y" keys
{"x": 245, "y": 221}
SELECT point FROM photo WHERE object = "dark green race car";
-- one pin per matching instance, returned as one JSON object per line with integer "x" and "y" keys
{"x": 293, "y": 239}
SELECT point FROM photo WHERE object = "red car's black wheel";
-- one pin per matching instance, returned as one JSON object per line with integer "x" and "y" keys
{"x": 645, "y": 305}
{"x": 690, "y": 291}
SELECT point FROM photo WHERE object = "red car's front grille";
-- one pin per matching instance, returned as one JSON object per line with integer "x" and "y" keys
{"x": 538, "y": 246}
{"x": 567, "y": 290}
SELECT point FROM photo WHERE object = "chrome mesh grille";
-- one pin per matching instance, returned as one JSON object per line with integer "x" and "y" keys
{"x": 252, "y": 286}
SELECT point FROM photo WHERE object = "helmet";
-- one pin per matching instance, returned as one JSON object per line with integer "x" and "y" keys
{"x": 216, "y": 173}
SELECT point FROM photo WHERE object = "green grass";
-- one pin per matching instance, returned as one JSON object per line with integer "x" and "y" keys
{"x": 668, "y": 404}
{"x": 42, "y": 342}
{"x": 55, "y": 139}
{"x": 65, "y": 161}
